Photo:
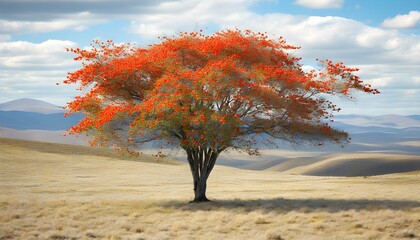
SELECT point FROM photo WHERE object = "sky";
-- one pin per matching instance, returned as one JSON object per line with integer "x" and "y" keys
{"x": 380, "y": 37}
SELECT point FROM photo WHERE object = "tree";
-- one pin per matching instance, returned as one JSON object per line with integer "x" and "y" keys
{"x": 205, "y": 94}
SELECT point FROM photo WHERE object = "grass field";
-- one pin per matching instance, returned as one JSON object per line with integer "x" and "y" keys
{"x": 51, "y": 191}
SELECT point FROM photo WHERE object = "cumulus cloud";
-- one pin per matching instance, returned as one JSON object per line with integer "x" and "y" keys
{"x": 46, "y": 10}
{"x": 33, "y": 69}
{"x": 34, "y": 16}
{"x": 319, "y": 4}
{"x": 149, "y": 18}
{"x": 338, "y": 38}
{"x": 190, "y": 15}
{"x": 78, "y": 22}
{"x": 410, "y": 20}
{"x": 22, "y": 54}
{"x": 416, "y": 79}
{"x": 387, "y": 58}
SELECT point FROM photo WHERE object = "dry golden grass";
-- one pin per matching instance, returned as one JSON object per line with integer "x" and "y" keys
{"x": 48, "y": 192}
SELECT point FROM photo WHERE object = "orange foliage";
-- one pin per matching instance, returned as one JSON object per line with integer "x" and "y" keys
{"x": 215, "y": 91}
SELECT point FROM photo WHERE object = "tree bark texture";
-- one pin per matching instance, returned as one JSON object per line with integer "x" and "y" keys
{"x": 201, "y": 161}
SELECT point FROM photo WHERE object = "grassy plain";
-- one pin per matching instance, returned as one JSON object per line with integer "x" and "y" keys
{"x": 51, "y": 191}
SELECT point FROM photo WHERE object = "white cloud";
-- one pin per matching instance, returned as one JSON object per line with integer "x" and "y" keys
{"x": 410, "y": 91}
{"x": 78, "y": 22}
{"x": 381, "y": 81}
{"x": 318, "y": 4}
{"x": 172, "y": 17}
{"x": 4, "y": 37}
{"x": 370, "y": 37}
{"x": 33, "y": 69}
{"x": 410, "y": 20}
{"x": 308, "y": 68}
{"x": 149, "y": 18}
{"x": 337, "y": 38}
{"x": 22, "y": 54}
{"x": 416, "y": 79}
{"x": 387, "y": 58}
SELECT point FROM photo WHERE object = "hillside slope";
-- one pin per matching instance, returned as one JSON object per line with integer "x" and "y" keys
{"x": 26, "y": 148}
{"x": 51, "y": 191}
{"x": 43, "y": 136}
{"x": 360, "y": 164}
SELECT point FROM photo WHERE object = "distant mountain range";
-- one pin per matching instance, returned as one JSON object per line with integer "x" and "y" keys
{"x": 378, "y": 122}
{"x": 380, "y": 137}
{"x": 31, "y": 105}
{"x": 19, "y": 120}
{"x": 368, "y": 132}
{"x": 32, "y": 119}
{"x": 31, "y": 114}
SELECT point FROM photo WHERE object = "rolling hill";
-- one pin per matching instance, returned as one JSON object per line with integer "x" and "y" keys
{"x": 386, "y": 136}
{"x": 55, "y": 191}
{"x": 349, "y": 165}
{"x": 31, "y": 119}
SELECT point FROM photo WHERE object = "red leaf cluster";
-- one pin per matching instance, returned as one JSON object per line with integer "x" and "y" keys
{"x": 216, "y": 91}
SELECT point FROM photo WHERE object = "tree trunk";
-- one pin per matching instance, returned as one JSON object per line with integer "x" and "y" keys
{"x": 201, "y": 161}
{"x": 200, "y": 191}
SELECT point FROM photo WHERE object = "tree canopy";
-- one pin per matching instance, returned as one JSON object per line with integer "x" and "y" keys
{"x": 232, "y": 89}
